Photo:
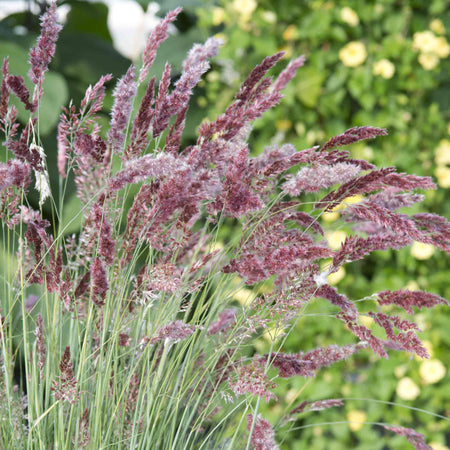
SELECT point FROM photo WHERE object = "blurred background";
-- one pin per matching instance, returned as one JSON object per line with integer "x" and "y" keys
{"x": 380, "y": 63}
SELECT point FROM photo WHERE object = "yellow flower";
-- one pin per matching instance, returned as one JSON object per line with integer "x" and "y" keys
{"x": 431, "y": 371}
{"x": 367, "y": 321}
{"x": 438, "y": 446}
{"x": 422, "y": 251}
{"x": 283, "y": 124}
{"x": 384, "y": 67}
{"x": 412, "y": 285}
{"x": 269, "y": 16}
{"x": 349, "y": 16}
{"x": 442, "y": 152}
{"x": 335, "y": 238}
{"x": 443, "y": 176}
{"x": 222, "y": 36}
{"x": 407, "y": 389}
{"x": 442, "y": 48}
{"x": 356, "y": 419}
{"x": 428, "y": 60}
{"x": 244, "y": 296}
{"x": 335, "y": 277}
{"x": 353, "y": 54}
{"x": 290, "y": 33}
{"x": 437, "y": 26}
{"x": 400, "y": 371}
{"x": 425, "y": 41}
{"x": 330, "y": 216}
{"x": 244, "y": 7}
{"x": 287, "y": 49}
{"x": 348, "y": 201}
{"x": 218, "y": 16}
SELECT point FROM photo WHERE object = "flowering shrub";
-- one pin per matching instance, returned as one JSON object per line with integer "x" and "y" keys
{"x": 132, "y": 320}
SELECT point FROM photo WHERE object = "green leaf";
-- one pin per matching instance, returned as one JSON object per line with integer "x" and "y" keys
{"x": 56, "y": 95}
{"x": 168, "y": 5}
{"x": 72, "y": 216}
{"x": 309, "y": 86}
{"x": 86, "y": 58}
{"x": 86, "y": 17}
{"x": 18, "y": 58}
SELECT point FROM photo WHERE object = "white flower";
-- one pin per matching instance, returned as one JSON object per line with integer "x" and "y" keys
{"x": 349, "y": 16}
{"x": 442, "y": 152}
{"x": 384, "y": 67}
{"x": 424, "y": 41}
{"x": 353, "y": 54}
{"x": 431, "y": 371}
{"x": 407, "y": 389}
{"x": 356, "y": 419}
{"x": 428, "y": 60}
{"x": 422, "y": 251}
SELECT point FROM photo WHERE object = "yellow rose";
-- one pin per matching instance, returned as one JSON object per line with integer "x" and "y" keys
{"x": 443, "y": 176}
{"x": 428, "y": 60}
{"x": 290, "y": 33}
{"x": 218, "y": 16}
{"x": 335, "y": 238}
{"x": 269, "y": 16}
{"x": 337, "y": 276}
{"x": 422, "y": 251}
{"x": 442, "y": 152}
{"x": 349, "y": 16}
{"x": 437, "y": 26}
{"x": 431, "y": 371}
{"x": 356, "y": 419}
{"x": 330, "y": 216}
{"x": 407, "y": 389}
{"x": 244, "y": 7}
{"x": 438, "y": 446}
{"x": 442, "y": 48}
{"x": 384, "y": 67}
{"x": 412, "y": 285}
{"x": 367, "y": 321}
{"x": 353, "y": 54}
{"x": 244, "y": 296}
{"x": 400, "y": 371}
{"x": 283, "y": 124}
{"x": 424, "y": 41}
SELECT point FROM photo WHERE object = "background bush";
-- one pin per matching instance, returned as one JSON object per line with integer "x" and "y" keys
{"x": 395, "y": 77}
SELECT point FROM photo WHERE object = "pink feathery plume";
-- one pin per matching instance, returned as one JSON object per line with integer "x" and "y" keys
{"x": 124, "y": 93}
{"x": 95, "y": 96}
{"x": 251, "y": 379}
{"x": 4, "y": 91}
{"x": 141, "y": 125}
{"x": 42, "y": 53}
{"x": 374, "y": 180}
{"x": 415, "y": 438}
{"x": 263, "y": 436}
{"x": 65, "y": 385}
{"x": 354, "y": 134}
{"x": 195, "y": 65}
{"x": 313, "y": 179}
{"x": 156, "y": 38}
{"x": 147, "y": 166}
{"x": 174, "y": 331}
{"x": 14, "y": 173}
{"x": 407, "y": 299}
{"x": 17, "y": 86}
{"x": 318, "y": 405}
{"x": 99, "y": 281}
